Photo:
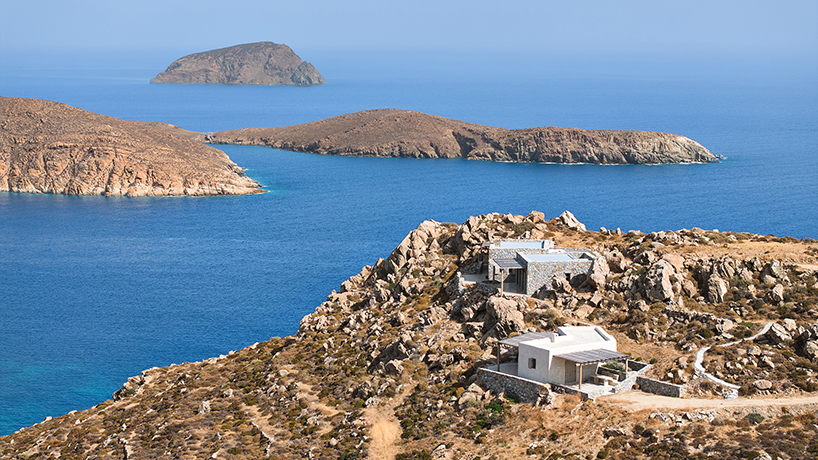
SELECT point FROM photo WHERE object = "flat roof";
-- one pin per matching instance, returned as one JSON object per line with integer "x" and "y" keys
{"x": 560, "y": 257}
{"x": 599, "y": 355}
{"x": 517, "y": 339}
{"x": 523, "y": 244}
{"x": 508, "y": 263}
{"x": 569, "y": 336}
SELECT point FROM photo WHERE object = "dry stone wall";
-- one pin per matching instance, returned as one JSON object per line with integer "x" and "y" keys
{"x": 523, "y": 390}
{"x": 660, "y": 388}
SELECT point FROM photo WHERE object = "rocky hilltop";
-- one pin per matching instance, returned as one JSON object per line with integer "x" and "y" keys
{"x": 385, "y": 367}
{"x": 404, "y": 133}
{"x": 263, "y": 63}
{"x": 48, "y": 147}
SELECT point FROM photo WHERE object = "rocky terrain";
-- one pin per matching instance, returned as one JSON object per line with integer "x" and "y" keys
{"x": 403, "y": 133}
{"x": 385, "y": 367}
{"x": 263, "y": 63}
{"x": 48, "y": 147}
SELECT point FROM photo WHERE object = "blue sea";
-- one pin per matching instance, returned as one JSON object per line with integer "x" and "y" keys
{"x": 94, "y": 290}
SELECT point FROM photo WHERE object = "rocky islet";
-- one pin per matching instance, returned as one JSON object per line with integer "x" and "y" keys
{"x": 405, "y": 133}
{"x": 262, "y": 63}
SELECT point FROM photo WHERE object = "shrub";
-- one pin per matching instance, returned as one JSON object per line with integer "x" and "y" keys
{"x": 706, "y": 333}
{"x": 415, "y": 455}
{"x": 755, "y": 418}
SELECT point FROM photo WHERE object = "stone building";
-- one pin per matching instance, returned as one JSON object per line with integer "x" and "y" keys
{"x": 525, "y": 266}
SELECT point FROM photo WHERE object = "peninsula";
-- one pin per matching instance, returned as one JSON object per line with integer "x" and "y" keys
{"x": 49, "y": 147}
{"x": 263, "y": 63}
{"x": 404, "y": 133}
{"x": 401, "y": 361}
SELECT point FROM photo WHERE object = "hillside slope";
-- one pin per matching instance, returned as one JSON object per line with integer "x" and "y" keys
{"x": 386, "y": 365}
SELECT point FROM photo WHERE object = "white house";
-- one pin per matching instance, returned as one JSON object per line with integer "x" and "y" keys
{"x": 564, "y": 356}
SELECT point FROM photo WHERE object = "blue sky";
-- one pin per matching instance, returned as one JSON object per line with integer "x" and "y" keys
{"x": 783, "y": 28}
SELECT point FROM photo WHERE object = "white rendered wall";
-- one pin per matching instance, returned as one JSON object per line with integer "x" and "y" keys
{"x": 552, "y": 370}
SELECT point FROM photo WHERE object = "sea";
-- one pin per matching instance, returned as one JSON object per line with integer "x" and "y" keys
{"x": 95, "y": 289}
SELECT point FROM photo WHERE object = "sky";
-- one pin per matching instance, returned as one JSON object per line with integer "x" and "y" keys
{"x": 712, "y": 27}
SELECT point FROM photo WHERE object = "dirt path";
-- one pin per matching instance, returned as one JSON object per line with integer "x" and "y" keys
{"x": 637, "y": 400}
{"x": 384, "y": 428}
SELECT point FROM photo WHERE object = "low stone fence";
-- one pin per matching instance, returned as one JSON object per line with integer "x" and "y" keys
{"x": 660, "y": 388}
{"x": 566, "y": 390}
{"x": 523, "y": 390}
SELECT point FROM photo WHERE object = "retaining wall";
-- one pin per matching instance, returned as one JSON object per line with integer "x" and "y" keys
{"x": 523, "y": 390}
{"x": 660, "y": 388}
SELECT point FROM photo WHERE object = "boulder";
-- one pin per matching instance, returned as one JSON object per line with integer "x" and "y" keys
{"x": 393, "y": 367}
{"x": 204, "y": 407}
{"x": 598, "y": 275}
{"x": 678, "y": 262}
{"x": 571, "y": 222}
{"x": 536, "y": 217}
{"x": 561, "y": 285}
{"x": 716, "y": 289}
{"x": 777, "y": 334}
{"x": 775, "y": 269}
{"x": 763, "y": 384}
{"x": 614, "y": 432}
{"x": 724, "y": 325}
{"x": 657, "y": 281}
{"x": 616, "y": 261}
{"x": 504, "y": 315}
{"x": 777, "y": 293}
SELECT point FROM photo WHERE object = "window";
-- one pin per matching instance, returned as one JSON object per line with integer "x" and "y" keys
{"x": 532, "y": 363}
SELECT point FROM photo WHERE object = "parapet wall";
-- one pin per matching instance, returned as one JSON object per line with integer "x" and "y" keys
{"x": 660, "y": 388}
{"x": 523, "y": 390}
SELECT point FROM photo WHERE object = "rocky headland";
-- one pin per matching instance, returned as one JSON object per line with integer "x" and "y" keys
{"x": 48, "y": 147}
{"x": 386, "y": 366}
{"x": 404, "y": 133}
{"x": 263, "y": 63}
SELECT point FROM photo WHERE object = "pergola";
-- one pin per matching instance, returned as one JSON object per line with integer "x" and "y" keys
{"x": 600, "y": 355}
{"x": 517, "y": 339}
{"x": 505, "y": 265}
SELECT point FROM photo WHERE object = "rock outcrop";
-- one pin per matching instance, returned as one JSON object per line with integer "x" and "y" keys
{"x": 405, "y": 338}
{"x": 403, "y": 133}
{"x": 48, "y": 147}
{"x": 263, "y": 63}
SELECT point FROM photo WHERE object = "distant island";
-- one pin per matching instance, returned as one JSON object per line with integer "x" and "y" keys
{"x": 404, "y": 133}
{"x": 263, "y": 63}
{"x": 48, "y": 147}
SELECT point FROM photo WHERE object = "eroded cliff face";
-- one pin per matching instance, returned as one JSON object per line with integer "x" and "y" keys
{"x": 263, "y": 63}
{"x": 403, "y": 133}
{"x": 48, "y": 147}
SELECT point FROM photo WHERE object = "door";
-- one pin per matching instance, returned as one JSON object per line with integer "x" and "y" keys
{"x": 570, "y": 372}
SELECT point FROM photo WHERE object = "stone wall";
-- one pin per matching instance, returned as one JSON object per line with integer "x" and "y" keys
{"x": 540, "y": 273}
{"x": 660, "y": 388}
{"x": 523, "y": 390}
